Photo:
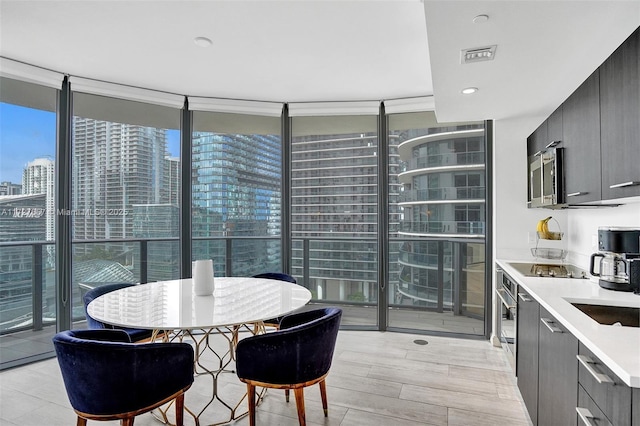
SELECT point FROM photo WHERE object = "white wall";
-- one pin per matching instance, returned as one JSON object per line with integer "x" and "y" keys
{"x": 514, "y": 223}
{"x": 584, "y": 223}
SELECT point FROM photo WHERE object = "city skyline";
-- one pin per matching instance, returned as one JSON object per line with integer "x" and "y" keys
{"x": 28, "y": 134}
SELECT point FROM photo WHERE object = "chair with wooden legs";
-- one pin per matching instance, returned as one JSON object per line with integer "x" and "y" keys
{"x": 298, "y": 355}
{"x": 108, "y": 378}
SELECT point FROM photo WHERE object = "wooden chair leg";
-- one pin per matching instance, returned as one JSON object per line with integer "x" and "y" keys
{"x": 251, "y": 400}
{"x": 180, "y": 410}
{"x": 286, "y": 395}
{"x": 127, "y": 422}
{"x": 81, "y": 421}
{"x": 299, "y": 393}
{"x": 323, "y": 395}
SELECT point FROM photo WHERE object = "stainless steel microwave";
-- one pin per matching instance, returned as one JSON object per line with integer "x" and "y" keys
{"x": 546, "y": 177}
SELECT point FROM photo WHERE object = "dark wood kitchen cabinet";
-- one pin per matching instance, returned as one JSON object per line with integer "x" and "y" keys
{"x": 620, "y": 120}
{"x": 527, "y": 320}
{"x": 581, "y": 140}
{"x": 557, "y": 373}
{"x": 611, "y": 396}
{"x": 555, "y": 127}
{"x": 538, "y": 140}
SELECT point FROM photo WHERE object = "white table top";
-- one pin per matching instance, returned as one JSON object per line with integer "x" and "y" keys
{"x": 171, "y": 305}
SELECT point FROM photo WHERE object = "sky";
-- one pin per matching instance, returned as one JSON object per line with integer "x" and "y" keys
{"x": 27, "y": 134}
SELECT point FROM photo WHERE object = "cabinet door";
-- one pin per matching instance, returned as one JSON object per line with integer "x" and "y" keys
{"x": 589, "y": 414}
{"x": 527, "y": 320}
{"x": 635, "y": 405}
{"x": 620, "y": 120}
{"x": 606, "y": 389}
{"x": 557, "y": 373}
{"x": 581, "y": 140}
{"x": 538, "y": 139}
{"x": 554, "y": 126}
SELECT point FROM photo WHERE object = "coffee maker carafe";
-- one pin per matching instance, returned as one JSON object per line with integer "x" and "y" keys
{"x": 618, "y": 246}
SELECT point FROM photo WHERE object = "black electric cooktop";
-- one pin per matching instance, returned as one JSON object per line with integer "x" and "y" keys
{"x": 550, "y": 270}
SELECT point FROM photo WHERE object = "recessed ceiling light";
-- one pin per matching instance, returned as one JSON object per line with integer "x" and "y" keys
{"x": 469, "y": 90}
{"x": 202, "y": 41}
{"x": 480, "y": 19}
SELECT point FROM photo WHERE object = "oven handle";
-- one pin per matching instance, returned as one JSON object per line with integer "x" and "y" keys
{"x": 504, "y": 301}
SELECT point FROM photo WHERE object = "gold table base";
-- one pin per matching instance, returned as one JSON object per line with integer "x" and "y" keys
{"x": 225, "y": 361}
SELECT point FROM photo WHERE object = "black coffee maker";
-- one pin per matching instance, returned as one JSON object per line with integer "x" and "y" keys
{"x": 619, "y": 258}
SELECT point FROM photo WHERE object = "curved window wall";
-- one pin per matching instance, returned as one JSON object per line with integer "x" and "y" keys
{"x": 324, "y": 173}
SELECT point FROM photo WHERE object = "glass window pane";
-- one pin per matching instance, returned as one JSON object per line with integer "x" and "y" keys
{"x": 437, "y": 245}
{"x": 125, "y": 186}
{"x": 334, "y": 211}
{"x": 237, "y": 187}
{"x": 27, "y": 218}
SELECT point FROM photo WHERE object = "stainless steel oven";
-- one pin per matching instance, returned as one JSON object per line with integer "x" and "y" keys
{"x": 506, "y": 292}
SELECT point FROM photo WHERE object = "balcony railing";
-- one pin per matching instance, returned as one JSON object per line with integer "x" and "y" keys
{"x": 446, "y": 159}
{"x": 341, "y": 270}
{"x": 446, "y": 193}
{"x": 443, "y": 227}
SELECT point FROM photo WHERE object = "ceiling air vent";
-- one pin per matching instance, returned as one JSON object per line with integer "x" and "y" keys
{"x": 478, "y": 54}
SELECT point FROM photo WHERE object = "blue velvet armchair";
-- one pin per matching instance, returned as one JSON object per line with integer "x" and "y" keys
{"x": 298, "y": 355}
{"x": 108, "y": 378}
{"x": 135, "y": 335}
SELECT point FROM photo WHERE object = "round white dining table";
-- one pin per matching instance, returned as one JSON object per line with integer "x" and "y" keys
{"x": 173, "y": 311}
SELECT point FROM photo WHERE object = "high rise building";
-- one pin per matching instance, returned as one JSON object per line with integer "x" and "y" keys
{"x": 443, "y": 202}
{"x": 237, "y": 192}
{"x": 38, "y": 177}
{"x": 8, "y": 188}
{"x": 115, "y": 166}
{"x": 335, "y": 213}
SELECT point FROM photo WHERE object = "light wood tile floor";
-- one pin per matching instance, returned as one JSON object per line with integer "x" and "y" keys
{"x": 376, "y": 379}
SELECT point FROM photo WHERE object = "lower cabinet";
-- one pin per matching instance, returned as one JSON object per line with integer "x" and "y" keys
{"x": 611, "y": 396}
{"x": 589, "y": 414}
{"x": 527, "y": 320}
{"x": 557, "y": 373}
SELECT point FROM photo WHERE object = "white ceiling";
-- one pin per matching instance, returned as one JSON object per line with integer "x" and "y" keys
{"x": 321, "y": 50}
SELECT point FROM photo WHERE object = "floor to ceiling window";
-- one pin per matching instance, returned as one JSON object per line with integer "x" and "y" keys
{"x": 328, "y": 199}
{"x": 236, "y": 192}
{"x": 437, "y": 224}
{"x": 125, "y": 193}
{"x": 27, "y": 226}
{"x": 334, "y": 176}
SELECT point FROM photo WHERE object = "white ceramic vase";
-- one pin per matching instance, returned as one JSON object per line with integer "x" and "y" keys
{"x": 203, "y": 282}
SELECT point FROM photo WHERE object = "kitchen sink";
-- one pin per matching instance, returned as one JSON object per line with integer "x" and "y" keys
{"x": 625, "y": 316}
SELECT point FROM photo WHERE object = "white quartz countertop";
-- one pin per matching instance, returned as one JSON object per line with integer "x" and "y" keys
{"x": 618, "y": 347}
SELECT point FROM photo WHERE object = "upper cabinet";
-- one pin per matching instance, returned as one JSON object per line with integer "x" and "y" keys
{"x": 599, "y": 129}
{"x": 620, "y": 120}
{"x": 581, "y": 140}
{"x": 538, "y": 140}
